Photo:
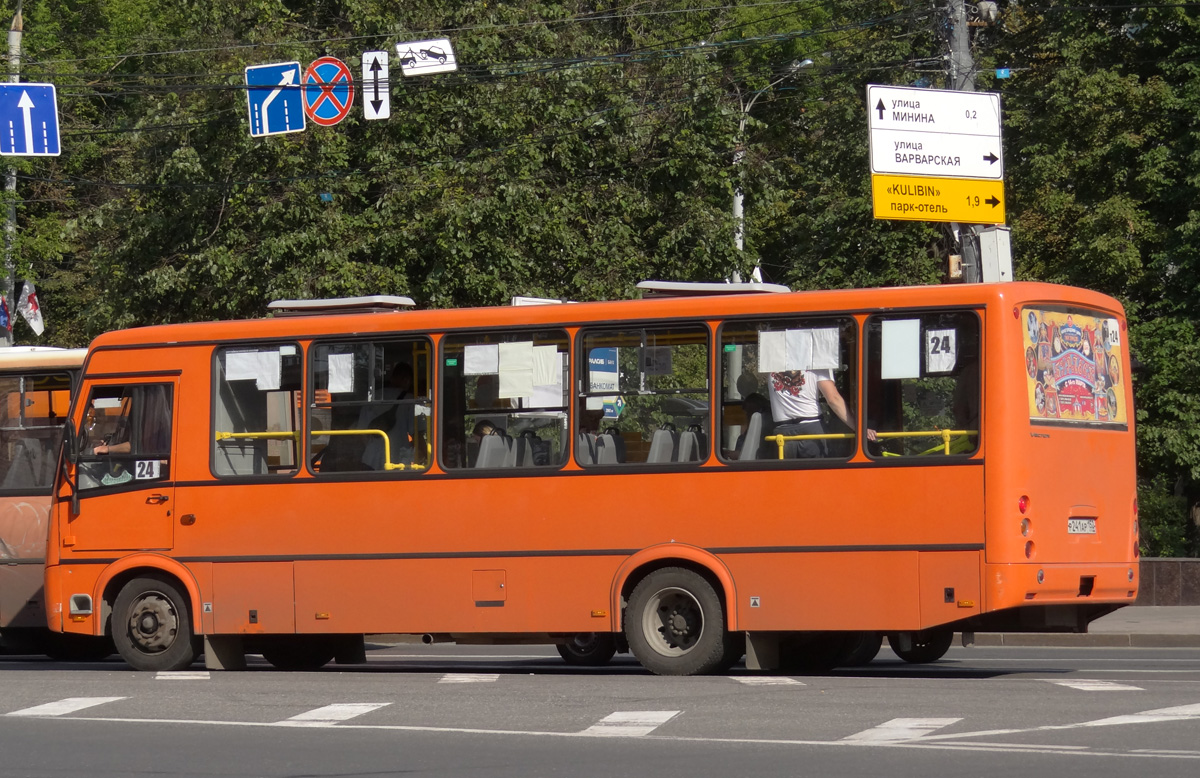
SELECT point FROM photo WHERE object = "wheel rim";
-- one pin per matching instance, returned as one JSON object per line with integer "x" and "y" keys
{"x": 153, "y": 623}
{"x": 673, "y": 621}
{"x": 584, "y": 642}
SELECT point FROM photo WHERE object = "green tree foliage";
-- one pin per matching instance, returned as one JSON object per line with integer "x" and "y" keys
{"x": 582, "y": 147}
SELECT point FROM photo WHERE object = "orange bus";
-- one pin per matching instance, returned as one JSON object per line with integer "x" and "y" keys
{"x": 35, "y": 396}
{"x": 688, "y": 477}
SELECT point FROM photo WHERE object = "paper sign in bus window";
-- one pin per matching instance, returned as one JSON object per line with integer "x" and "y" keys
{"x": 547, "y": 378}
{"x": 144, "y": 469}
{"x": 241, "y": 365}
{"x": 901, "y": 347}
{"x": 516, "y": 369}
{"x": 481, "y": 360}
{"x": 341, "y": 373}
{"x": 826, "y": 351}
{"x": 799, "y": 349}
{"x": 941, "y": 351}
{"x": 269, "y": 371}
{"x": 772, "y": 352}
{"x": 656, "y": 360}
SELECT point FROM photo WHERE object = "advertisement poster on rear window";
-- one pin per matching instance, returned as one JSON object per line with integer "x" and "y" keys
{"x": 1073, "y": 366}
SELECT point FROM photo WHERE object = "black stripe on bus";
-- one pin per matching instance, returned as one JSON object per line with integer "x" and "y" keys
{"x": 541, "y": 554}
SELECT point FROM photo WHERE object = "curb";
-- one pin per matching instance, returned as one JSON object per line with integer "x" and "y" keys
{"x": 1086, "y": 640}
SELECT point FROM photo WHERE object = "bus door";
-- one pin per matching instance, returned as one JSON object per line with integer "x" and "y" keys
{"x": 123, "y": 468}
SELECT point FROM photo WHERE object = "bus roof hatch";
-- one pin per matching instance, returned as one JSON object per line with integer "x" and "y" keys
{"x": 376, "y": 303}
{"x": 700, "y": 288}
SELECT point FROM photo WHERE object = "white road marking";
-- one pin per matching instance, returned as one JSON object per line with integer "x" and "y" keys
{"x": 463, "y": 658}
{"x": 635, "y": 723}
{"x": 64, "y": 706}
{"x": 900, "y": 729}
{"x": 1178, "y": 713}
{"x": 1095, "y": 686}
{"x": 469, "y": 677}
{"x": 329, "y": 715}
{"x": 181, "y": 675}
{"x": 766, "y": 680}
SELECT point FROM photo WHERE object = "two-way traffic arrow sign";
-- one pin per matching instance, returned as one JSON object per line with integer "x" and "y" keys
{"x": 377, "y": 95}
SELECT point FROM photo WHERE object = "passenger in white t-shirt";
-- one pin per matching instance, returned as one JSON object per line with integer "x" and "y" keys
{"x": 796, "y": 409}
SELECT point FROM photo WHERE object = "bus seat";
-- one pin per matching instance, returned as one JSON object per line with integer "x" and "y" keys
{"x": 693, "y": 446}
{"x": 612, "y": 445}
{"x": 493, "y": 450}
{"x": 664, "y": 446}
{"x": 585, "y": 448}
{"x": 753, "y": 439}
{"x": 23, "y": 467}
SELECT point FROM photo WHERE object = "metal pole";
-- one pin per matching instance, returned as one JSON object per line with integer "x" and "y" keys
{"x": 10, "y": 184}
{"x": 962, "y": 78}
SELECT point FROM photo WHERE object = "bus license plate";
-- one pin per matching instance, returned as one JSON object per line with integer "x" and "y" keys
{"x": 1081, "y": 526}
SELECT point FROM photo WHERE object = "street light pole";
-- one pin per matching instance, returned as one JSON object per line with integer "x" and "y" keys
{"x": 739, "y": 218}
{"x": 10, "y": 187}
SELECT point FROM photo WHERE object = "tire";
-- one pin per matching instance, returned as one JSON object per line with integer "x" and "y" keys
{"x": 152, "y": 625}
{"x": 675, "y": 624}
{"x": 928, "y": 645}
{"x": 65, "y": 647}
{"x": 299, "y": 654}
{"x": 813, "y": 652}
{"x": 588, "y": 649}
{"x": 862, "y": 649}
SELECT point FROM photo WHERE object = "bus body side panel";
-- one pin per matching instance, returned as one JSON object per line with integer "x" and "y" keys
{"x": 1065, "y": 470}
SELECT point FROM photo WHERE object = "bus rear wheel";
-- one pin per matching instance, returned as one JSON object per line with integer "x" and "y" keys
{"x": 862, "y": 649}
{"x": 588, "y": 649}
{"x": 675, "y": 623}
{"x": 152, "y": 625}
{"x": 921, "y": 647}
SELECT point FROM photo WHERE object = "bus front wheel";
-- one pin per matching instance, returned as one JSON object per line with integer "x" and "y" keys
{"x": 588, "y": 649}
{"x": 675, "y": 623}
{"x": 152, "y": 625}
{"x": 921, "y": 647}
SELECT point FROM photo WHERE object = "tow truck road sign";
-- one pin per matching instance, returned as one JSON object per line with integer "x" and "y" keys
{"x": 328, "y": 91}
{"x": 377, "y": 96}
{"x": 273, "y": 99}
{"x": 422, "y": 58}
{"x": 29, "y": 120}
{"x": 921, "y": 198}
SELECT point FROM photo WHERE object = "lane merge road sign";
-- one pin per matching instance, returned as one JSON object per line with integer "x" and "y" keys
{"x": 273, "y": 99}
{"x": 924, "y": 198}
{"x": 328, "y": 91}
{"x": 377, "y": 95}
{"x": 29, "y": 120}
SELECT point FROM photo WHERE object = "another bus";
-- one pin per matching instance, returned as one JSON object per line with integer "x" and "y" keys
{"x": 35, "y": 395}
{"x": 599, "y": 476}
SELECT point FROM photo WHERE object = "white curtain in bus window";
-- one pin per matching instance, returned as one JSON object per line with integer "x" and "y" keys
{"x": 483, "y": 359}
{"x": 901, "y": 348}
{"x": 941, "y": 351}
{"x": 516, "y": 369}
{"x": 341, "y": 373}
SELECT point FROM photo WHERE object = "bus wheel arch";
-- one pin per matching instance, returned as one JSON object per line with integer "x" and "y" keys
{"x": 151, "y": 624}
{"x": 120, "y": 573}
{"x": 699, "y": 561}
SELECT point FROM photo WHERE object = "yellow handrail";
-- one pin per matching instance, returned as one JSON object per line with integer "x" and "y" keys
{"x": 388, "y": 464}
{"x": 945, "y": 435}
{"x": 781, "y": 439}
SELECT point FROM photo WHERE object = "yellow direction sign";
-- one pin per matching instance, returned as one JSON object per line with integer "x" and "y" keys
{"x": 924, "y": 198}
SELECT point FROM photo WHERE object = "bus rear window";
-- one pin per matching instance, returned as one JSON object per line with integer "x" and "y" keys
{"x": 1073, "y": 366}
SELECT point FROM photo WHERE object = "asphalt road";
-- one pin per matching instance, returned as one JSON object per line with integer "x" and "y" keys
{"x": 520, "y": 711}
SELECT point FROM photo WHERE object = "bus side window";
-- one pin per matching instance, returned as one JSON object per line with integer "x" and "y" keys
{"x": 30, "y": 429}
{"x": 644, "y": 396}
{"x": 504, "y": 400}
{"x": 923, "y": 389}
{"x": 772, "y": 374}
{"x": 370, "y": 407}
{"x": 256, "y": 415}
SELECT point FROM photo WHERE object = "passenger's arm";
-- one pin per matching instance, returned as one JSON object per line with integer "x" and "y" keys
{"x": 838, "y": 405}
